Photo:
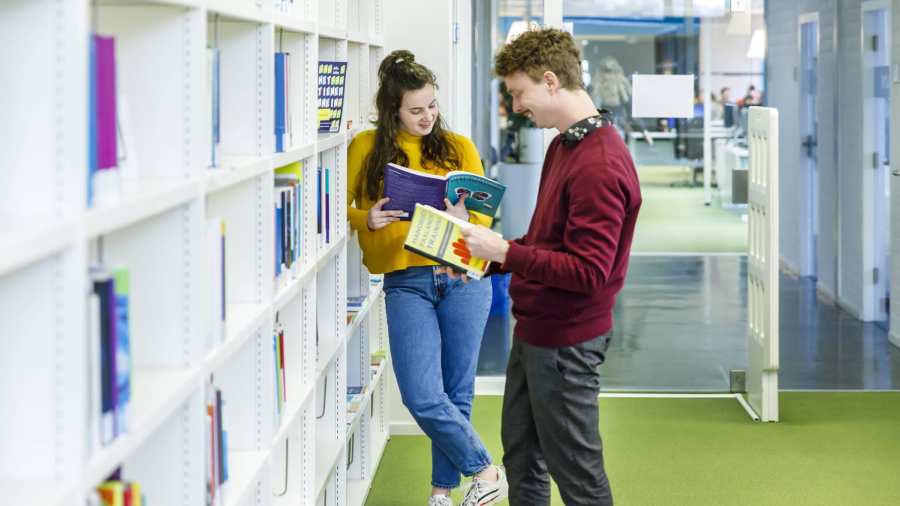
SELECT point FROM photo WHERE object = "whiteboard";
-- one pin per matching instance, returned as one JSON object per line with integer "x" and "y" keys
{"x": 662, "y": 96}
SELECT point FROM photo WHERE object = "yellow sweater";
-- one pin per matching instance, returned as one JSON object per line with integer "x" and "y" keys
{"x": 383, "y": 249}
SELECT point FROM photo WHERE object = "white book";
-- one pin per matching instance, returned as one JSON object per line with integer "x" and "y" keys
{"x": 95, "y": 392}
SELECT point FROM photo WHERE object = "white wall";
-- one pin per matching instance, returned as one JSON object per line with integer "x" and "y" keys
{"x": 426, "y": 29}
{"x": 851, "y": 155}
{"x": 840, "y": 143}
{"x": 782, "y": 94}
{"x": 841, "y": 165}
{"x": 895, "y": 183}
{"x": 729, "y": 57}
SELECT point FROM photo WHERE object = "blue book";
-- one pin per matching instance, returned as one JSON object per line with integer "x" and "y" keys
{"x": 332, "y": 81}
{"x": 221, "y": 440}
{"x": 280, "y": 120}
{"x": 327, "y": 206}
{"x": 215, "y": 56}
{"x": 92, "y": 119}
{"x": 318, "y": 200}
{"x": 123, "y": 351}
{"x": 406, "y": 188}
{"x": 225, "y": 456}
{"x": 103, "y": 287}
{"x": 279, "y": 248}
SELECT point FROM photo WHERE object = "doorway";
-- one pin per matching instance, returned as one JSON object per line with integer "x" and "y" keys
{"x": 876, "y": 91}
{"x": 809, "y": 126}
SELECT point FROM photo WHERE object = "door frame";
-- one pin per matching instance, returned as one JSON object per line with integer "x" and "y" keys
{"x": 869, "y": 310}
{"x": 809, "y": 251}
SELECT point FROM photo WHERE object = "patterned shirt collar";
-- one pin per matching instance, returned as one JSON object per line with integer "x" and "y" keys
{"x": 577, "y": 132}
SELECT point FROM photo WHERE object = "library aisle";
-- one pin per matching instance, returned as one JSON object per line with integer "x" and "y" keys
{"x": 185, "y": 319}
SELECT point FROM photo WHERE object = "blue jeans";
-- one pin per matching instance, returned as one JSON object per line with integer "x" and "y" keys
{"x": 435, "y": 326}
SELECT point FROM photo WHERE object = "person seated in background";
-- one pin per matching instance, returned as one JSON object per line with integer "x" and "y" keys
{"x": 752, "y": 97}
{"x": 718, "y": 109}
{"x": 725, "y": 95}
{"x": 719, "y": 103}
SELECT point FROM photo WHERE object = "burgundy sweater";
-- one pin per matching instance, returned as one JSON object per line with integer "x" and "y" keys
{"x": 572, "y": 262}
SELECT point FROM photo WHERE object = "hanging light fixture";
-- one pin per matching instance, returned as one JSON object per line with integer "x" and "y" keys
{"x": 757, "y": 50}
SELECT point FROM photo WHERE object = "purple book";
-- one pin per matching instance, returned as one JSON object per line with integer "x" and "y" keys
{"x": 406, "y": 187}
{"x": 106, "y": 102}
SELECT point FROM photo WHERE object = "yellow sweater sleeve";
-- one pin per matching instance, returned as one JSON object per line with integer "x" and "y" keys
{"x": 471, "y": 162}
{"x": 356, "y": 157}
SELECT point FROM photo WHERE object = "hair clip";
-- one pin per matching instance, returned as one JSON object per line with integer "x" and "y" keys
{"x": 398, "y": 60}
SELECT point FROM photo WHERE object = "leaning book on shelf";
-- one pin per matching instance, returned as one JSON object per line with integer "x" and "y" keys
{"x": 111, "y": 353}
{"x": 406, "y": 188}
{"x": 280, "y": 378}
{"x": 437, "y": 235}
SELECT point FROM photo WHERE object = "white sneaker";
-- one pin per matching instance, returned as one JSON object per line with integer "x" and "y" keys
{"x": 484, "y": 492}
{"x": 440, "y": 500}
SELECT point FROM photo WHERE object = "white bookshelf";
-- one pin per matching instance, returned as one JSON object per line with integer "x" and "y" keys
{"x": 157, "y": 230}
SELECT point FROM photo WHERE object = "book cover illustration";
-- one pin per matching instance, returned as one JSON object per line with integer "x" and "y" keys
{"x": 406, "y": 188}
{"x": 332, "y": 80}
{"x": 437, "y": 235}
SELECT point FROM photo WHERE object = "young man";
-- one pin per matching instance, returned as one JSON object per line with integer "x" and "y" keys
{"x": 567, "y": 270}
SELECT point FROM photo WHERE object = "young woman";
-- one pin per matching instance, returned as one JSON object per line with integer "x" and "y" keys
{"x": 435, "y": 323}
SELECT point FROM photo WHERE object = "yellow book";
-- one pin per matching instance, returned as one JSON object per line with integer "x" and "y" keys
{"x": 437, "y": 235}
{"x": 112, "y": 493}
{"x": 136, "y": 494}
{"x": 294, "y": 169}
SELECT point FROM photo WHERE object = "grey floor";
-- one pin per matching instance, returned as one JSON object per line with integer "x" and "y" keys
{"x": 681, "y": 326}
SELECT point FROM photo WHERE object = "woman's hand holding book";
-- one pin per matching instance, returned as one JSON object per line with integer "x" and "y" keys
{"x": 378, "y": 219}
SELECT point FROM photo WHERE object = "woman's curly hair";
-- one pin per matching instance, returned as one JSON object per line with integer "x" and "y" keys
{"x": 537, "y": 51}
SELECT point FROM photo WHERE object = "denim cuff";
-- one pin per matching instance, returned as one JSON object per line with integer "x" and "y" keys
{"x": 481, "y": 466}
{"x": 444, "y": 485}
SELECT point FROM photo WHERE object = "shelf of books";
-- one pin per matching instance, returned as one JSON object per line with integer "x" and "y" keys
{"x": 187, "y": 277}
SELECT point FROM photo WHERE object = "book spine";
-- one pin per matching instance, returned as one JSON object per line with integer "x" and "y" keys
{"x": 123, "y": 351}
{"x": 319, "y": 201}
{"x": 213, "y": 472}
{"x": 298, "y": 231}
{"x": 215, "y": 96}
{"x": 92, "y": 118}
{"x": 278, "y": 247}
{"x": 224, "y": 457}
{"x": 221, "y": 442}
{"x": 97, "y": 397}
{"x": 106, "y": 103}
{"x": 279, "y": 102}
{"x": 223, "y": 297}
{"x": 275, "y": 354}
{"x": 285, "y": 224}
{"x": 111, "y": 368}
{"x": 327, "y": 206}
{"x": 281, "y": 365}
{"x": 288, "y": 126}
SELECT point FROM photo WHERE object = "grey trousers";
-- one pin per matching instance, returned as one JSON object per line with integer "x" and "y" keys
{"x": 550, "y": 423}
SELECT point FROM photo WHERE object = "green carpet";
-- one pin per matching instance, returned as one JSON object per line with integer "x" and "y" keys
{"x": 674, "y": 219}
{"x": 829, "y": 449}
